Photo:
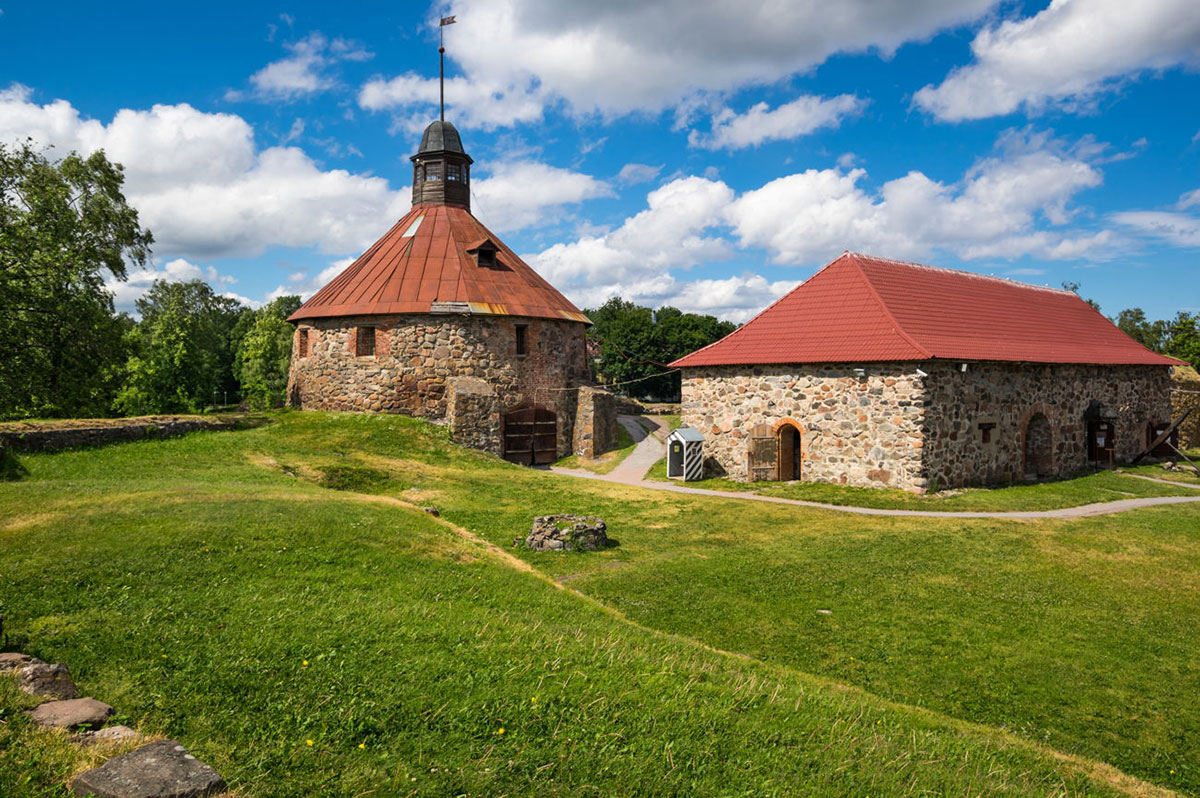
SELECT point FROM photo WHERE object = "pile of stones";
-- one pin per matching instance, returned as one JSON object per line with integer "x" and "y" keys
{"x": 566, "y": 533}
{"x": 161, "y": 769}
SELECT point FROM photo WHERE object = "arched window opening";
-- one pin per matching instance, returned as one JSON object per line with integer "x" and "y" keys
{"x": 1039, "y": 448}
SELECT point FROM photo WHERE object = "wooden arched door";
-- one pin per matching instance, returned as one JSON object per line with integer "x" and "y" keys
{"x": 531, "y": 436}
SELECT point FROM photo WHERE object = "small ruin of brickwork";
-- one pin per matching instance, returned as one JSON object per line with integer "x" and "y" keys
{"x": 462, "y": 370}
{"x": 892, "y": 427}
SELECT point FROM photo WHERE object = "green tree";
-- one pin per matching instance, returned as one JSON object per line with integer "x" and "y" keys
{"x": 64, "y": 227}
{"x": 181, "y": 352}
{"x": 265, "y": 353}
{"x": 1183, "y": 337}
{"x": 1150, "y": 334}
{"x": 637, "y": 343}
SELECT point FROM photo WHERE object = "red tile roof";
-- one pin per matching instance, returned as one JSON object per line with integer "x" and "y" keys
{"x": 860, "y": 309}
{"x": 410, "y": 269}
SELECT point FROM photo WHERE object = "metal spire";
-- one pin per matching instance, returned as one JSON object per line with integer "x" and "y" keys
{"x": 442, "y": 64}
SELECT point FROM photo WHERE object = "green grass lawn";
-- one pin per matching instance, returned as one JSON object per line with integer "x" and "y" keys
{"x": 1102, "y": 486}
{"x": 1186, "y": 475}
{"x": 188, "y": 582}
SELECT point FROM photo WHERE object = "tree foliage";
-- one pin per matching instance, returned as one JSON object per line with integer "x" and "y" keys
{"x": 636, "y": 343}
{"x": 265, "y": 352}
{"x": 64, "y": 227}
{"x": 181, "y": 353}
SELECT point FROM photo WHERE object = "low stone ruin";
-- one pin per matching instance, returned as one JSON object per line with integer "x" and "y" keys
{"x": 566, "y": 533}
{"x": 161, "y": 769}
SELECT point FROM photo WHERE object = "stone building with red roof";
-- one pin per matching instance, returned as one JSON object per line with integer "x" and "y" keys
{"x": 876, "y": 372}
{"x": 439, "y": 319}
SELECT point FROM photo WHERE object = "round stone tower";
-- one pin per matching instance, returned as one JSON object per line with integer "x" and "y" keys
{"x": 440, "y": 319}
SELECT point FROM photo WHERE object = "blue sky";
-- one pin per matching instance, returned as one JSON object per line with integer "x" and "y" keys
{"x": 699, "y": 153}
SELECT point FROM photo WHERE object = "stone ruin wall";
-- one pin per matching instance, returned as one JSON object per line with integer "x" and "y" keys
{"x": 417, "y": 354}
{"x": 865, "y": 431}
{"x": 1186, "y": 394}
{"x": 1008, "y": 395}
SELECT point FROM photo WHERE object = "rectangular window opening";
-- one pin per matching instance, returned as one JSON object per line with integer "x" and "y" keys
{"x": 302, "y": 345}
{"x": 522, "y": 339}
{"x": 365, "y": 346}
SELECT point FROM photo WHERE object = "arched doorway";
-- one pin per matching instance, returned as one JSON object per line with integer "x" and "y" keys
{"x": 1039, "y": 447}
{"x": 531, "y": 436}
{"x": 789, "y": 446}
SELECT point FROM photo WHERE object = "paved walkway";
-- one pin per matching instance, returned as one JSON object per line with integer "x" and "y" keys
{"x": 651, "y": 449}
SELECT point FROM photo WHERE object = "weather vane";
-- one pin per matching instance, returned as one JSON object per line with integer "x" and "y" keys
{"x": 442, "y": 62}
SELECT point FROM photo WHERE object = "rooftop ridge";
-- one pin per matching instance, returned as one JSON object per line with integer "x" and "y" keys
{"x": 963, "y": 272}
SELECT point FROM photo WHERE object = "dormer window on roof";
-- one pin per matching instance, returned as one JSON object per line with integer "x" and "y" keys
{"x": 485, "y": 254}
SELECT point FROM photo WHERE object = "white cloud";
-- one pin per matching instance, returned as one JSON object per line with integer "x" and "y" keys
{"x": 306, "y": 71}
{"x": 1066, "y": 54}
{"x": 300, "y": 284}
{"x": 620, "y": 57}
{"x": 1179, "y": 229}
{"x": 617, "y": 58}
{"x": 517, "y": 195}
{"x": 991, "y": 212}
{"x": 471, "y": 103}
{"x": 761, "y": 123}
{"x": 634, "y": 173}
{"x": 126, "y": 293}
{"x": 1189, "y": 199}
{"x": 205, "y": 191}
{"x": 668, "y": 234}
{"x": 1012, "y": 204}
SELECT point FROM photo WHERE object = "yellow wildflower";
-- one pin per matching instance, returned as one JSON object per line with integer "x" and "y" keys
{"x": 308, "y": 742}
{"x": 362, "y": 745}
{"x": 501, "y": 731}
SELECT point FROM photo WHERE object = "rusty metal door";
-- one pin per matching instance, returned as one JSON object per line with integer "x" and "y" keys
{"x": 531, "y": 436}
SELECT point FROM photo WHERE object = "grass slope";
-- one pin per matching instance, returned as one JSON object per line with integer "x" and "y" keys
{"x": 212, "y": 596}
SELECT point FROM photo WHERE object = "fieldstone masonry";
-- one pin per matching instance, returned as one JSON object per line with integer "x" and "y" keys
{"x": 595, "y": 422}
{"x": 473, "y": 413}
{"x": 420, "y": 359}
{"x": 854, "y": 430}
{"x": 893, "y": 427}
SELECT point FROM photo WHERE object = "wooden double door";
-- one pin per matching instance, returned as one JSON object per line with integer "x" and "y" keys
{"x": 531, "y": 436}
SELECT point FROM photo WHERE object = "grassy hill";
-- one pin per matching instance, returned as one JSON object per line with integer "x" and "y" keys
{"x": 309, "y": 641}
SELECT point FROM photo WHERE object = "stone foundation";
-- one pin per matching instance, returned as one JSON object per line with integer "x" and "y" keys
{"x": 893, "y": 427}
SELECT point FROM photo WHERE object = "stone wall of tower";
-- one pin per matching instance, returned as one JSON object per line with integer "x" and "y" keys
{"x": 417, "y": 354}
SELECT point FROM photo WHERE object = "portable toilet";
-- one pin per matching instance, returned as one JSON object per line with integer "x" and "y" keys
{"x": 685, "y": 454}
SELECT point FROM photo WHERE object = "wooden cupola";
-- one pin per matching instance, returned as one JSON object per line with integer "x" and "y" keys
{"x": 441, "y": 168}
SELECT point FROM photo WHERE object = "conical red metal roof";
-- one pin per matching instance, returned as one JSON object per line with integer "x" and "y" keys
{"x": 422, "y": 265}
{"x": 860, "y": 309}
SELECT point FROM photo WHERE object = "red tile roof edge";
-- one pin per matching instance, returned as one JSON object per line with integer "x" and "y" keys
{"x": 733, "y": 349}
